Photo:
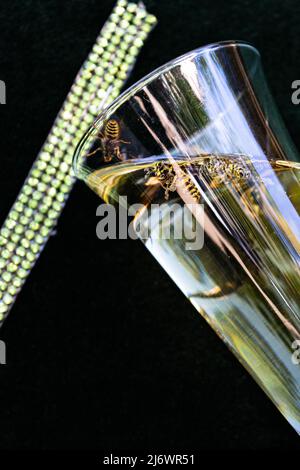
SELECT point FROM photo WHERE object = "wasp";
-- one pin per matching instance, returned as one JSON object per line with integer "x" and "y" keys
{"x": 218, "y": 169}
{"x": 169, "y": 180}
{"x": 110, "y": 141}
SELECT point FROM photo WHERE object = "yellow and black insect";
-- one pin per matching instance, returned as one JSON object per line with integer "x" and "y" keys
{"x": 170, "y": 180}
{"x": 110, "y": 137}
{"x": 216, "y": 170}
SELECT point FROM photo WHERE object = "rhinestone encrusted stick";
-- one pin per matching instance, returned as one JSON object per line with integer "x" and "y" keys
{"x": 35, "y": 213}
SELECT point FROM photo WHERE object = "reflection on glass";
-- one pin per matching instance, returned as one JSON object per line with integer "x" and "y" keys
{"x": 203, "y": 129}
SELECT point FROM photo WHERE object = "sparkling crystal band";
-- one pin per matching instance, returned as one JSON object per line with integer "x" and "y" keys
{"x": 39, "y": 204}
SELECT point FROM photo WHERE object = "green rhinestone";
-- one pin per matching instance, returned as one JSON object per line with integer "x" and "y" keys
{"x": 97, "y": 49}
{"x": 45, "y": 156}
{"x": 138, "y": 42}
{"x": 67, "y": 107}
{"x": 122, "y": 74}
{"x": 22, "y": 273}
{"x": 28, "y": 212}
{"x": 131, "y": 30}
{"x": 25, "y": 265}
{"x": 11, "y": 267}
{"x": 45, "y": 231}
{"x": 46, "y": 178}
{"x": 124, "y": 67}
{"x": 55, "y": 162}
{"x": 116, "y": 39}
{"x": 37, "y": 195}
{"x": 24, "y": 220}
{"x": 41, "y": 187}
{"x": 16, "y": 259}
{"x": 33, "y": 204}
{"x": 120, "y": 10}
{"x": 57, "y": 132}
{"x": 38, "y": 217}
{"x": 19, "y": 206}
{"x": 60, "y": 197}
{"x": 76, "y": 89}
{"x": 39, "y": 239}
{"x": 43, "y": 209}
{"x": 10, "y": 246}
{"x": 129, "y": 59}
{"x": 48, "y": 147}
{"x": 48, "y": 223}
{"x": 41, "y": 165}
{"x": 5, "y": 232}
{"x": 25, "y": 243}
{"x": 19, "y": 229}
{"x": 54, "y": 140}
{"x": 78, "y": 113}
{"x": 15, "y": 237}
{"x": 52, "y": 214}
{"x": 66, "y": 116}
{"x": 3, "y": 285}
{"x": 36, "y": 173}
{"x": 137, "y": 21}
{"x": 151, "y": 19}
{"x": 103, "y": 43}
{"x": 3, "y": 241}
{"x": 56, "y": 206}
{"x": 96, "y": 80}
{"x": 124, "y": 45}
{"x": 33, "y": 181}
{"x": 2, "y": 263}
{"x": 17, "y": 282}
{"x": 64, "y": 167}
{"x": 47, "y": 201}
{"x": 50, "y": 170}
{"x": 64, "y": 188}
{"x": 55, "y": 183}
{"x": 14, "y": 215}
{"x": 133, "y": 50}
{"x": 60, "y": 175}
{"x": 30, "y": 256}
{"x": 35, "y": 248}
{"x": 147, "y": 28}
{"x": 7, "y": 299}
{"x": 29, "y": 234}
{"x": 27, "y": 190}
{"x": 63, "y": 146}
{"x": 6, "y": 276}
{"x": 52, "y": 192}
{"x": 3, "y": 309}
{"x": 106, "y": 56}
{"x": 20, "y": 251}
{"x": 124, "y": 24}
{"x": 76, "y": 121}
{"x": 5, "y": 254}
{"x": 74, "y": 99}
{"x": 118, "y": 84}
{"x": 143, "y": 35}
{"x": 12, "y": 290}
{"x": 111, "y": 48}
{"x": 34, "y": 226}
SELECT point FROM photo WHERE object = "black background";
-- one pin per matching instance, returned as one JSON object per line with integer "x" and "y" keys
{"x": 103, "y": 350}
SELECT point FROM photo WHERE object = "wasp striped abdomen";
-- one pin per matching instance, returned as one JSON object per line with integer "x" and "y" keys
{"x": 112, "y": 130}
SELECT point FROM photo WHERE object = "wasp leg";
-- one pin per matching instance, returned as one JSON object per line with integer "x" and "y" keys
{"x": 94, "y": 151}
{"x": 118, "y": 153}
{"x": 171, "y": 187}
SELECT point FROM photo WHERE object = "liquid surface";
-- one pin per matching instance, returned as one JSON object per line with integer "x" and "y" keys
{"x": 245, "y": 279}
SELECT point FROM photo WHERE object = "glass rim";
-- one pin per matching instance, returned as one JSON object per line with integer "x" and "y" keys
{"x": 150, "y": 77}
{"x": 146, "y": 79}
